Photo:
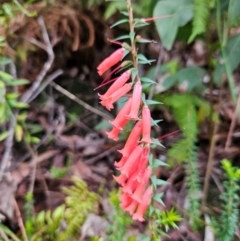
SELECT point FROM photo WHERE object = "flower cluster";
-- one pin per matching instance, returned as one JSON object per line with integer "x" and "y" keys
{"x": 133, "y": 166}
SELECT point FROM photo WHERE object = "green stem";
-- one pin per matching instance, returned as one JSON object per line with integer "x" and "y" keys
{"x": 222, "y": 35}
{"x": 229, "y": 74}
{"x": 133, "y": 44}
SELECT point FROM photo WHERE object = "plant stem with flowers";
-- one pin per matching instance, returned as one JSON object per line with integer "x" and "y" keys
{"x": 136, "y": 164}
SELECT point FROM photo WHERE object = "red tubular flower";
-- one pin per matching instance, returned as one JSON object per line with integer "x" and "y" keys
{"x": 132, "y": 139}
{"x": 121, "y": 163}
{"x": 118, "y": 83}
{"x": 113, "y": 134}
{"x": 143, "y": 163}
{"x": 146, "y": 118}
{"x": 131, "y": 207}
{"x": 125, "y": 200}
{"x": 132, "y": 161}
{"x": 143, "y": 205}
{"x": 120, "y": 120}
{"x": 130, "y": 186}
{"x": 121, "y": 179}
{"x": 110, "y": 61}
{"x": 115, "y": 96}
{"x": 138, "y": 193}
{"x": 137, "y": 96}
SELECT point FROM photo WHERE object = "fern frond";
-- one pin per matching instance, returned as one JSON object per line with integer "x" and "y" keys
{"x": 193, "y": 186}
{"x": 201, "y": 13}
{"x": 78, "y": 204}
{"x": 230, "y": 213}
{"x": 184, "y": 109}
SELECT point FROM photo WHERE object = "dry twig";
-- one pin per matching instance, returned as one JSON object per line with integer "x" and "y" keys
{"x": 233, "y": 124}
{"x": 46, "y": 67}
{"x": 80, "y": 102}
{"x": 20, "y": 221}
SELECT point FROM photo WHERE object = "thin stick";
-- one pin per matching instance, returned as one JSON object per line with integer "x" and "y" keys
{"x": 46, "y": 67}
{"x": 8, "y": 146}
{"x": 20, "y": 221}
{"x": 49, "y": 79}
{"x": 233, "y": 124}
{"x": 103, "y": 154}
{"x": 80, "y": 102}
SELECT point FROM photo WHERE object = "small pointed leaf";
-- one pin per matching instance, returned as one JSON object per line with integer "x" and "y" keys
{"x": 119, "y": 22}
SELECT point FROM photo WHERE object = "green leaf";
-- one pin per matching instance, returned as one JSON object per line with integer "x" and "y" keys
{"x": 125, "y": 13}
{"x": 158, "y": 198}
{"x": 122, "y": 37}
{"x": 193, "y": 76}
{"x": 157, "y": 142}
{"x": 157, "y": 163}
{"x": 152, "y": 102}
{"x": 13, "y": 95}
{"x": 233, "y": 56}
{"x": 146, "y": 62}
{"x": 4, "y": 135}
{"x": 18, "y": 132}
{"x": 155, "y": 122}
{"x": 234, "y": 12}
{"x": 5, "y": 76}
{"x": 17, "y": 82}
{"x": 19, "y": 105}
{"x": 119, "y": 22}
{"x": 4, "y": 61}
{"x": 181, "y": 12}
{"x": 201, "y": 16}
{"x": 157, "y": 182}
{"x": 144, "y": 237}
{"x": 142, "y": 40}
{"x": 143, "y": 60}
{"x": 131, "y": 36}
{"x": 169, "y": 81}
{"x": 134, "y": 73}
{"x": 140, "y": 24}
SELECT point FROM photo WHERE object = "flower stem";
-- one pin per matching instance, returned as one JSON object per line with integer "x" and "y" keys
{"x": 133, "y": 44}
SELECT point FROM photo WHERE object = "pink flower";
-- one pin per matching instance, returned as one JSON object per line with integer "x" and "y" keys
{"x": 143, "y": 163}
{"x": 146, "y": 118}
{"x": 120, "y": 120}
{"x": 113, "y": 134}
{"x": 131, "y": 207}
{"x": 108, "y": 103}
{"x": 118, "y": 83}
{"x": 132, "y": 139}
{"x": 130, "y": 186}
{"x": 143, "y": 205}
{"x": 125, "y": 200}
{"x": 136, "y": 102}
{"x": 137, "y": 195}
{"x": 121, "y": 162}
{"x": 132, "y": 161}
{"x": 110, "y": 61}
{"x": 121, "y": 179}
